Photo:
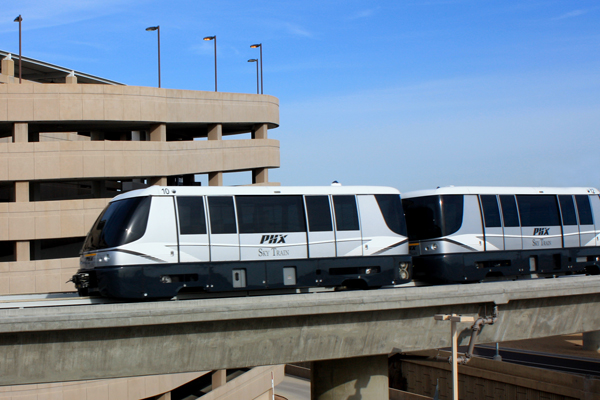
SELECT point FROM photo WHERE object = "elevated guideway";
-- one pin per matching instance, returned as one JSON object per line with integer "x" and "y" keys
{"x": 64, "y": 343}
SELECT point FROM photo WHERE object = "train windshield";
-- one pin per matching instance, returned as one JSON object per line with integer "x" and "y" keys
{"x": 432, "y": 217}
{"x": 121, "y": 222}
{"x": 391, "y": 208}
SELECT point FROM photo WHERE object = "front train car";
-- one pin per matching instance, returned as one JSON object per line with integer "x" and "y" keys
{"x": 158, "y": 241}
{"x": 470, "y": 234}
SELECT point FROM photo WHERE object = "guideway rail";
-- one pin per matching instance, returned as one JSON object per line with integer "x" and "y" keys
{"x": 134, "y": 339}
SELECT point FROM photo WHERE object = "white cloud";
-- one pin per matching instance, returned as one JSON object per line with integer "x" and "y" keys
{"x": 571, "y": 14}
{"x": 361, "y": 14}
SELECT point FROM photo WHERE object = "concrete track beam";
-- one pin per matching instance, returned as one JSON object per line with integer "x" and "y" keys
{"x": 143, "y": 338}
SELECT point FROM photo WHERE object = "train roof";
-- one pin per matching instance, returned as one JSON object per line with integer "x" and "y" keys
{"x": 500, "y": 190}
{"x": 254, "y": 190}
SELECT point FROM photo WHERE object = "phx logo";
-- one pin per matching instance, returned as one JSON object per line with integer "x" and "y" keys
{"x": 541, "y": 231}
{"x": 272, "y": 239}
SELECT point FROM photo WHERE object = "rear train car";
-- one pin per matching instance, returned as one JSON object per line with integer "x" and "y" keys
{"x": 158, "y": 241}
{"x": 469, "y": 234}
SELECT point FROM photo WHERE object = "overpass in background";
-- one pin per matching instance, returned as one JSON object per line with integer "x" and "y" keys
{"x": 350, "y": 333}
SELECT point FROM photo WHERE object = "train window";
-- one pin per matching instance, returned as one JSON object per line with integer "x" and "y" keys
{"x": 346, "y": 214}
{"x": 491, "y": 213}
{"x": 391, "y": 209}
{"x": 121, "y": 222}
{"x": 191, "y": 215}
{"x": 259, "y": 214}
{"x": 319, "y": 213}
{"x": 222, "y": 215}
{"x": 584, "y": 210}
{"x": 567, "y": 209}
{"x": 431, "y": 217}
{"x": 538, "y": 210}
{"x": 510, "y": 214}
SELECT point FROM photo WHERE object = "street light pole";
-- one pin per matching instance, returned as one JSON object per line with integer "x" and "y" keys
{"x": 254, "y": 46}
{"x": 157, "y": 28}
{"x": 215, "y": 39}
{"x": 19, "y": 19}
{"x": 254, "y": 60}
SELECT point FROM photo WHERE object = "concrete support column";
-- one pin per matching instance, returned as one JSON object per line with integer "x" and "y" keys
{"x": 158, "y": 133}
{"x": 71, "y": 78}
{"x": 350, "y": 378}
{"x": 20, "y": 132}
{"x": 591, "y": 341}
{"x": 22, "y": 192}
{"x": 22, "y": 252}
{"x": 215, "y": 179}
{"x": 8, "y": 68}
{"x": 260, "y": 131}
{"x": 215, "y": 132}
{"x": 260, "y": 175}
{"x": 219, "y": 378}
{"x": 158, "y": 181}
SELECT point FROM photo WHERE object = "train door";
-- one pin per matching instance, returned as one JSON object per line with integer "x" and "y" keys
{"x": 224, "y": 239}
{"x": 321, "y": 238}
{"x": 193, "y": 235}
{"x": 494, "y": 236}
{"x": 569, "y": 221}
{"x": 512, "y": 226}
{"x": 271, "y": 227}
{"x": 587, "y": 230}
{"x": 347, "y": 228}
{"x": 540, "y": 221}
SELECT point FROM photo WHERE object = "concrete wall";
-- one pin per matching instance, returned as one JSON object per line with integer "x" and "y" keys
{"x": 486, "y": 379}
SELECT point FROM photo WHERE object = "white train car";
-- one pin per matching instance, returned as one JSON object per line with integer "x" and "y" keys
{"x": 155, "y": 242}
{"x": 466, "y": 234}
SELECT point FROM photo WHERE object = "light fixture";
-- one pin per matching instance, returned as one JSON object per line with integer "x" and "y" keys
{"x": 156, "y": 28}
{"x": 215, "y": 39}
{"x": 254, "y": 46}
{"x": 19, "y": 19}
{"x": 254, "y": 60}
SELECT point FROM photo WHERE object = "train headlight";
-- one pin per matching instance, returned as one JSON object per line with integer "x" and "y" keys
{"x": 403, "y": 274}
{"x": 166, "y": 279}
{"x": 433, "y": 246}
{"x": 404, "y": 266}
{"x": 106, "y": 258}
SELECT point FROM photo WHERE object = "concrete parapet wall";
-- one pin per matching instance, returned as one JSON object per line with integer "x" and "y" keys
{"x": 59, "y": 102}
{"x": 106, "y": 159}
{"x": 48, "y": 219}
{"x": 44, "y": 276}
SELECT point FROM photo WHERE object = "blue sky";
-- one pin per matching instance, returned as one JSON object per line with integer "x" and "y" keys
{"x": 410, "y": 94}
